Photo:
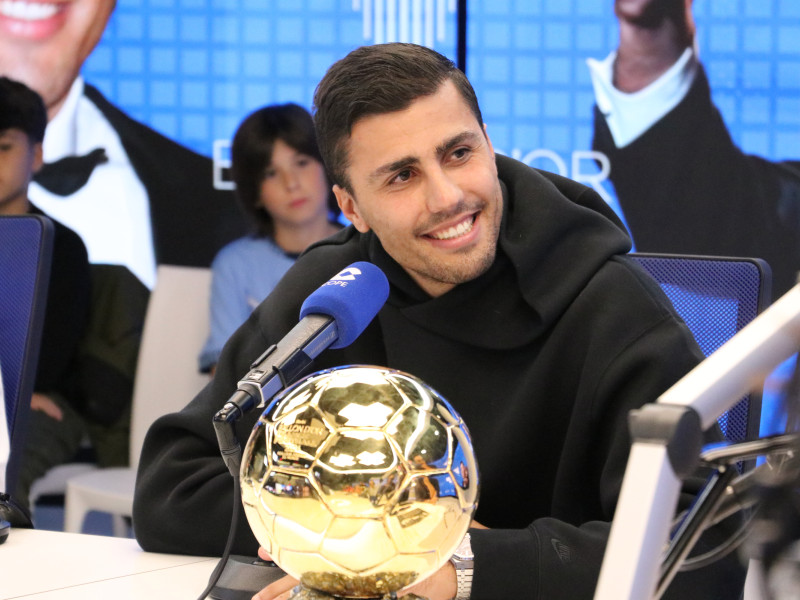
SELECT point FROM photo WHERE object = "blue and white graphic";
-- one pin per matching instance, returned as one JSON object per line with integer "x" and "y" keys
{"x": 421, "y": 22}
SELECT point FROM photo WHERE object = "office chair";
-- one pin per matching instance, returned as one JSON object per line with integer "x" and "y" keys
{"x": 26, "y": 248}
{"x": 167, "y": 378}
{"x": 716, "y": 297}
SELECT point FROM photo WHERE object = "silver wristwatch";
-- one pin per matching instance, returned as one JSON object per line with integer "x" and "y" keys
{"x": 463, "y": 561}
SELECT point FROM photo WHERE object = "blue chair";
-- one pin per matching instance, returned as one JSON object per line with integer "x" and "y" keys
{"x": 716, "y": 297}
{"x": 26, "y": 247}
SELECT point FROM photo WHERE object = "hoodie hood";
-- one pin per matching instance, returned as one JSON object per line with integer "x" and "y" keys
{"x": 557, "y": 234}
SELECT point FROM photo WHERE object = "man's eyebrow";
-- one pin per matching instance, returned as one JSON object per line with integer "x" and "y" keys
{"x": 393, "y": 167}
{"x": 460, "y": 138}
{"x": 409, "y": 161}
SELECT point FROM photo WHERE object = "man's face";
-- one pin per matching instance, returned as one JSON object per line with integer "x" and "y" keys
{"x": 43, "y": 43}
{"x": 425, "y": 181}
{"x": 19, "y": 160}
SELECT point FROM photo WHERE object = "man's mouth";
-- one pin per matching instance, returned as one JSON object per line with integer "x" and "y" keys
{"x": 455, "y": 231}
{"x": 23, "y": 10}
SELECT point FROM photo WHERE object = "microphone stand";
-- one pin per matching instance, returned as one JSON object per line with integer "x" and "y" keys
{"x": 667, "y": 439}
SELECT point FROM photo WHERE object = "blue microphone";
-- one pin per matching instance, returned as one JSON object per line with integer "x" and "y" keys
{"x": 351, "y": 298}
{"x": 333, "y": 315}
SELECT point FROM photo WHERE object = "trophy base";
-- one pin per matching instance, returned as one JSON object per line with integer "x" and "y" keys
{"x": 302, "y": 592}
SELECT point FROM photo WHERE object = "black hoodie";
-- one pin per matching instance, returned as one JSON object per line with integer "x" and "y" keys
{"x": 543, "y": 355}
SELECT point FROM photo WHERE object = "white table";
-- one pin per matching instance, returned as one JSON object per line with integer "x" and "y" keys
{"x": 49, "y": 565}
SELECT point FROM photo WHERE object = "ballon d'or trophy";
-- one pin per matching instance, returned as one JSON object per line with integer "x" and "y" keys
{"x": 359, "y": 481}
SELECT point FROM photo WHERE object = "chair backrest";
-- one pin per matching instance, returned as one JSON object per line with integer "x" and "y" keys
{"x": 175, "y": 328}
{"x": 26, "y": 248}
{"x": 716, "y": 297}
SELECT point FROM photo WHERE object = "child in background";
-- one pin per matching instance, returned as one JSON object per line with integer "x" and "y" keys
{"x": 284, "y": 190}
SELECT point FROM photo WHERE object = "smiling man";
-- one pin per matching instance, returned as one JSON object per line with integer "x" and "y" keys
{"x": 139, "y": 199}
{"x": 510, "y": 294}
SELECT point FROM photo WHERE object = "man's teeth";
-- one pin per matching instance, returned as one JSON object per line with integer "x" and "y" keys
{"x": 27, "y": 11}
{"x": 459, "y": 230}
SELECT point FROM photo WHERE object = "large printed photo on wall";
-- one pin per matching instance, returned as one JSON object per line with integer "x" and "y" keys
{"x": 682, "y": 182}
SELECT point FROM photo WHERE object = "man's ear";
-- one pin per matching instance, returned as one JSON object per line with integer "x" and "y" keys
{"x": 488, "y": 141}
{"x": 349, "y": 208}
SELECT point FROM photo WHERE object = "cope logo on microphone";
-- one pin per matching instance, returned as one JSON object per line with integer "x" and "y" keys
{"x": 343, "y": 277}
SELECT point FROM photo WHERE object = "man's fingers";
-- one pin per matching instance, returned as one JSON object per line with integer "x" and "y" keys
{"x": 263, "y": 554}
{"x": 277, "y": 590}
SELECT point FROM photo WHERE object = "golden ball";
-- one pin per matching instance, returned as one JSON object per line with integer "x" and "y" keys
{"x": 359, "y": 481}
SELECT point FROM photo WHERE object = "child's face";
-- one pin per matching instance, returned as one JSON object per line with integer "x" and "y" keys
{"x": 20, "y": 158}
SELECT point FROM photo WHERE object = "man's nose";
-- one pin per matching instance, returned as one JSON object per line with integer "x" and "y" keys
{"x": 443, "y": 192}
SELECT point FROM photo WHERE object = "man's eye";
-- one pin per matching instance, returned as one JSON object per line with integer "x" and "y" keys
{"x": 402, "y": 176}
{"x": 460, "y": 153}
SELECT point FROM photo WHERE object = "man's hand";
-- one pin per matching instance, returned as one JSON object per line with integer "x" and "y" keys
{"x": 652, "y": 36}
{"x": 47, "y": 406}
{"x": 441, "y": 585}
{"x": 277, "y": 590}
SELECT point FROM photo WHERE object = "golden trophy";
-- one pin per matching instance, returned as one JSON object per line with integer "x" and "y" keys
{"x": 359, "y": 481}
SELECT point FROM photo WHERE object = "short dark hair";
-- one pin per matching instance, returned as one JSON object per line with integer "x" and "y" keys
{"x": 374, "y": 80}
{"x": 251, "y": 154}
{"x": 22, "y": 108}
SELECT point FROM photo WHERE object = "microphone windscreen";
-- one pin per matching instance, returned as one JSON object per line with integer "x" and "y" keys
{"x": 352, "y": 297}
